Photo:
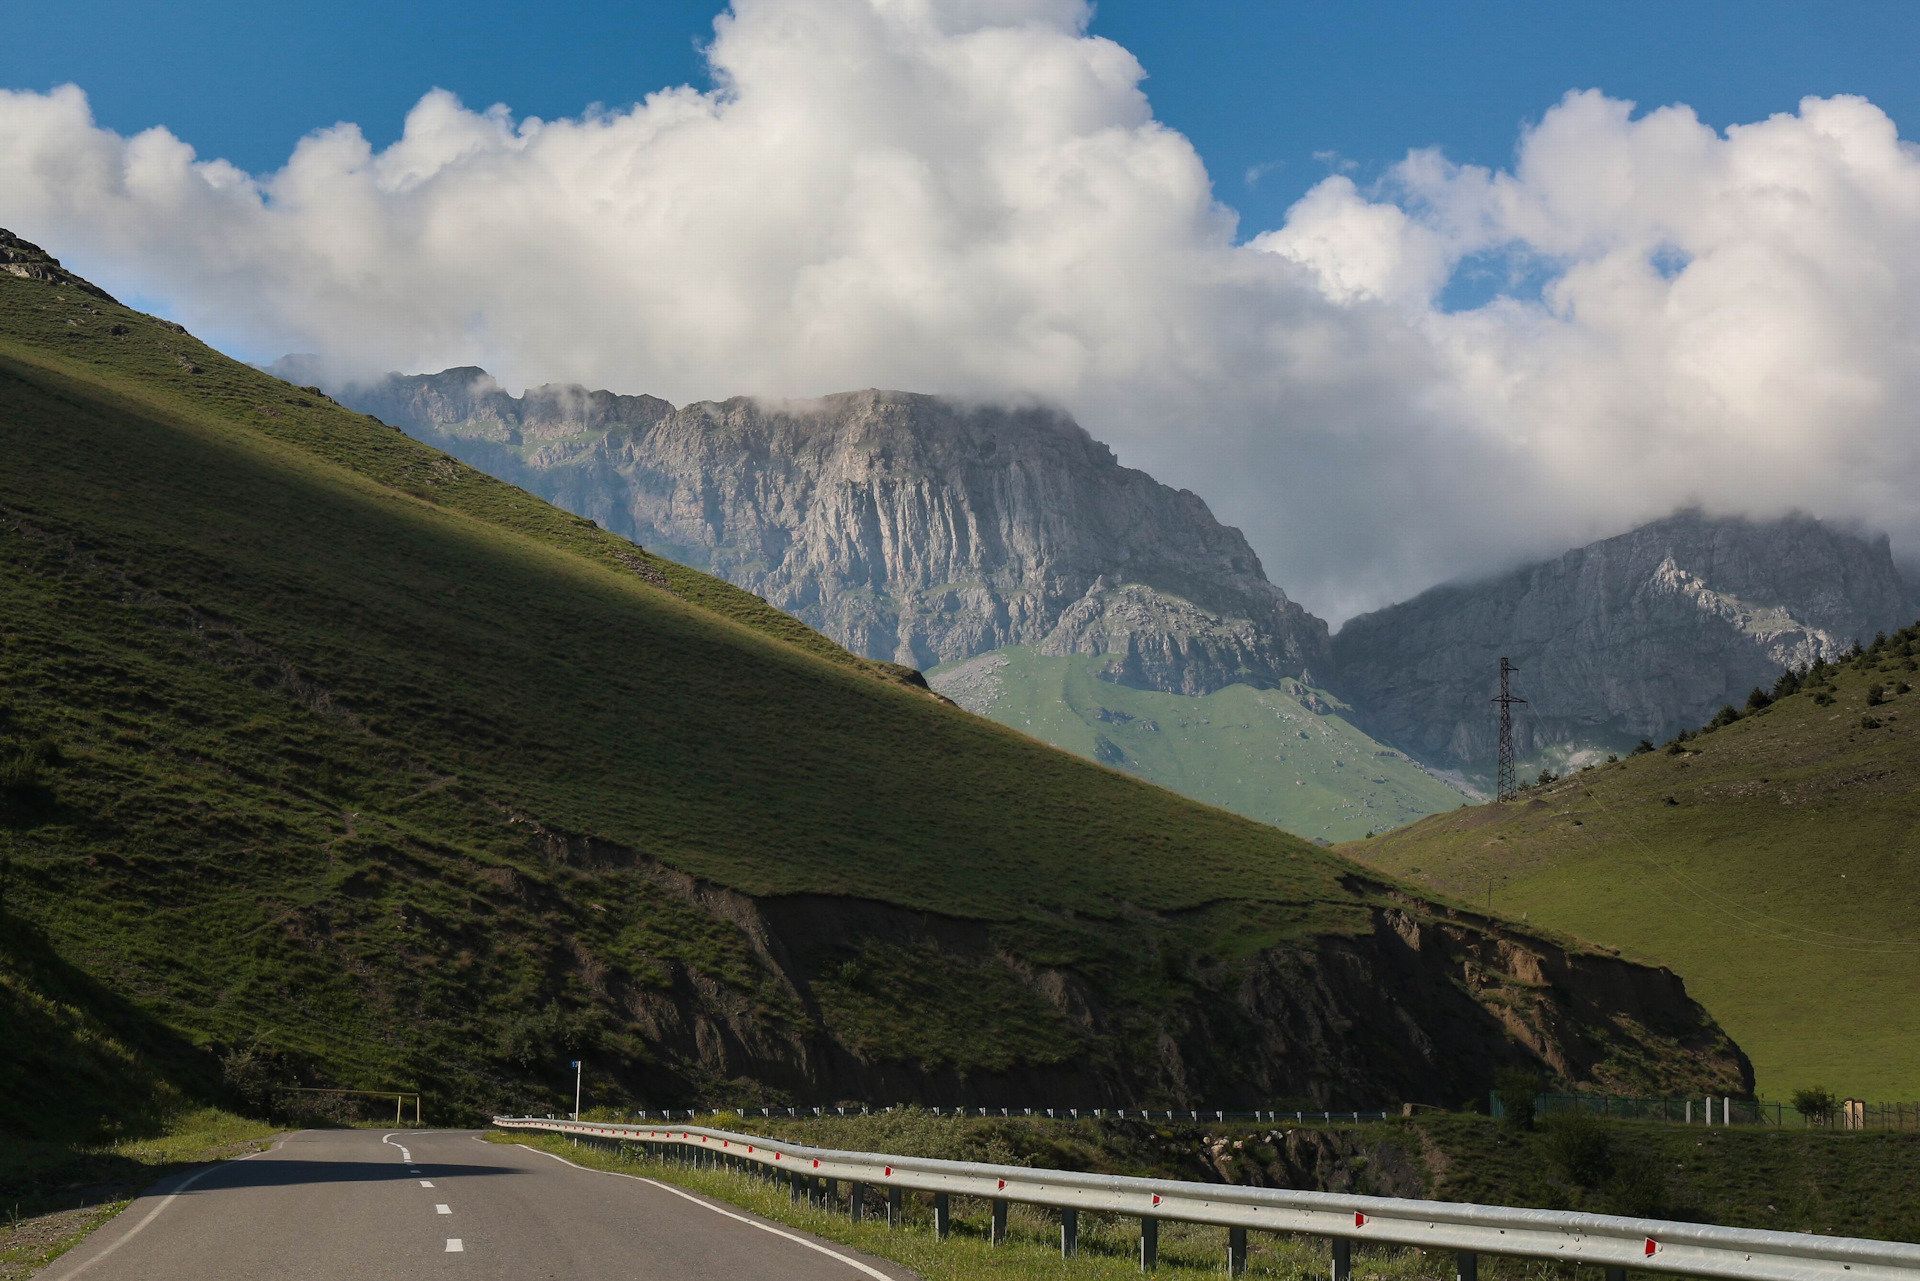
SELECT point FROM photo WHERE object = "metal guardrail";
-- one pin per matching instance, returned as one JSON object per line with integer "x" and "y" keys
{"x": 1607, "y": 1241}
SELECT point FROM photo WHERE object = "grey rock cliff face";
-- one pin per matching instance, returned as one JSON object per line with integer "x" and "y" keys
{"x": 909, "y": 528}
{"x": 1644, "y": 634}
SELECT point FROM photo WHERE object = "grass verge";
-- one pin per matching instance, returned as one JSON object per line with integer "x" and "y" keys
{"x": 1109, "y": 1244}
{"x": 54, "y": 1194}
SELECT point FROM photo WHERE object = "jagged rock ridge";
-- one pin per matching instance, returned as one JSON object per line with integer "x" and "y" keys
{"x": 1643, "y": 634}
{"x": 909, "y": 528}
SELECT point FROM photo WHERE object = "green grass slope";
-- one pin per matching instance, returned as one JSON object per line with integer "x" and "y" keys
{"x": 1283, "y": 756}
{"x": 370, "y": 759}
{"x": 325, "y": 759}
{"x": 1770, "y": 862}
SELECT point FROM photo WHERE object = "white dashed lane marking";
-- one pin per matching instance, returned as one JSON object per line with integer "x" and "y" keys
{"x": 426, "y": 1183}
{"x": 454, "y": 1246}
{"x": 443, "y": 1209}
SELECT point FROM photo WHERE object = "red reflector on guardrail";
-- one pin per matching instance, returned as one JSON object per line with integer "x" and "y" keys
{"x": 1359, "y": 1219}
{"x": 1652, "y": 1247}
{"x": 1003, "y": 1183}
{"x": 1156, "y": 1198}
{"x": 889, "y": 1172}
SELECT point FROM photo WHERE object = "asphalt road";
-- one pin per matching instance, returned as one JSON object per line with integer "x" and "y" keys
{"x": 339, "y": 1204}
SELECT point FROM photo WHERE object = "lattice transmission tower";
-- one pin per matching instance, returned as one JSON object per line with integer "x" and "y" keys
{"x": 1506, "y": 787}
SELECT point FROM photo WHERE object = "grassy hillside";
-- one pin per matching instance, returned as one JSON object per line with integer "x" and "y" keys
{"x": 321, "y": 744}
{"x": 1283, "y": 756}
{"x": 325, "y": 759}
{"x": 1770, "y": 862}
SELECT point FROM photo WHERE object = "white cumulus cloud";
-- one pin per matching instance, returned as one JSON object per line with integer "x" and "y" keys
{"x": 975, "y": 198}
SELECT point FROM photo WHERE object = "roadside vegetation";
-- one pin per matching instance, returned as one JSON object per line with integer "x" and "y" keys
{"x": 1851, "y": 1184}
{"x": 1767, "y": 858}
{"x": 1846, "y": 1183}
{"x": 54, "y": 1193}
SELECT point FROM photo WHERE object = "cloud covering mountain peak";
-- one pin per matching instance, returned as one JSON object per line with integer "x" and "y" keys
{"x": 1448, "y": 371}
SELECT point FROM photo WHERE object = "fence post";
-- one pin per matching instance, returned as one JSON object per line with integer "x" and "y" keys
{"x": 1149, "y": 1244}
{"x": 942, "y": 1218}
{"x": 1236, "y": 1252}
{"x": 1069, "y": 1233}
{"x": 999, "y": 1232}
{"x": 1342, "y": 1259}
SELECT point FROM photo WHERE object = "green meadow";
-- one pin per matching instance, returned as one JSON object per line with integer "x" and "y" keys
{"x": 1769, "y": 862}
{"x": 1285, "y": 756}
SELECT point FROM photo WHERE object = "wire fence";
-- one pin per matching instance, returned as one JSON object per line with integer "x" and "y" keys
{"x": 1195, "y": 1115}
{"x": 1846, "y": 1114}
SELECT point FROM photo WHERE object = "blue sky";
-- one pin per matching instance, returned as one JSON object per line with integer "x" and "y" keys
{"x": 1271, "y": 93}
{"x": 1650, "y": 312}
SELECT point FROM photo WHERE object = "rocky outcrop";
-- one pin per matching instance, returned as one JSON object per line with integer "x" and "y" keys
{"x": 1639, "y": 635}
{"x": 909, "y": 528}
{"x": 29, "y": 261}
{"x": 1416, "y": 1003}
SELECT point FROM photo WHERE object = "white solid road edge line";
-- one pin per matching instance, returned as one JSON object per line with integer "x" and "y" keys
{"x": 855, "y": 1264}
{"x": 154, "y": 1213}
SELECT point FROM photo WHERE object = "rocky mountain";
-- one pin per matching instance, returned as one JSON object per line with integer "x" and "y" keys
{"x": 910, "y": 528}
{"x": 1639, "y": 635}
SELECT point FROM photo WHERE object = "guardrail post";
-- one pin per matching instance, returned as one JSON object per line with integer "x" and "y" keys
{"x": 999, "y": 1233}
{"x": 942, "y": 1216}
{"x": 1466, "y": 1266}
{"x": 1069, "y": 1233}
{"x": 1236, "y": 1252}
{"x": 856, "y": 1200}
{"x": 893, "y": 1207}
{"x": 794, "y": 1190}
{"x": 1616, "y": 1274}
{"x": 1342, "y": 1259}
{"x": 1149, "y": 1244}
{"x": 831, "y": 1194}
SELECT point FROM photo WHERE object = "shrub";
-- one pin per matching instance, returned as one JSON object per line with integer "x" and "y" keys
{"x": 1787, "y": 685}
{"x": 1758, "y": 698}
{"x": 1642, "y": 748}
{"x": 19, "y": 775}
{"x": 1548, "y": 776}
{"x": 23, "y": 770}
{"x": 1517, "y": 1088}
{"x": 1869, "y": 722}
{"x": 1822, "y": 699}
{"x": 1816, "y": 1103}
{"x": 1611, "y": 758}
{"x": 1876, "y": 695}
{"x": 1725, "y": 716}
{"x": 1579, "y": 1147}
{"x": 1638, "y": 1187}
